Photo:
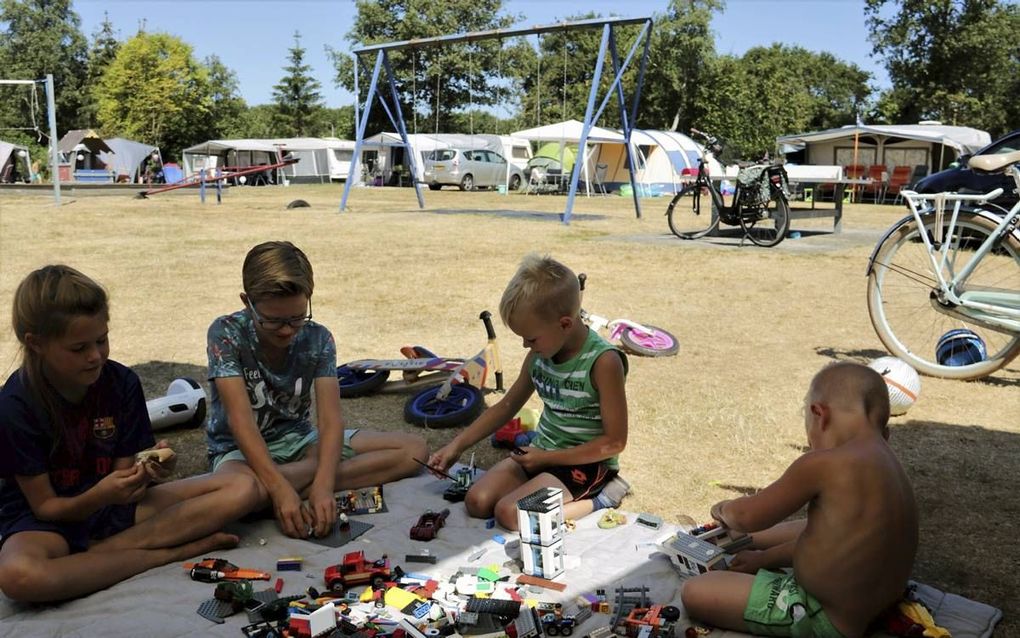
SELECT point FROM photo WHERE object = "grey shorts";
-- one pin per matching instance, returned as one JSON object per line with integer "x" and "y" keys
{"x": 287, "y": 449}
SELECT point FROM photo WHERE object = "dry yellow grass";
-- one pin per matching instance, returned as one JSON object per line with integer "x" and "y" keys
{"x": 721, "y": 418}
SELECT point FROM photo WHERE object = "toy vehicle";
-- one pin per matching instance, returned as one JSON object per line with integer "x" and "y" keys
{"x": 658, "y": 618}
{"x": 355, "y": 570}
{"x": 455, "y": 395}
{"x": 461, "y": 483}
{"x": 554, "y": 625}
{"x": 428, "y": 525}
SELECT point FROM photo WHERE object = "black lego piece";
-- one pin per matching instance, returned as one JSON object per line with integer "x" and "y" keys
{"x": 503, "y": 608}
{"x": 420, "y": 558}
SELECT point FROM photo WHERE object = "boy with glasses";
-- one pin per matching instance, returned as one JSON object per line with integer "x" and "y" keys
{"x": 264, "y": 363}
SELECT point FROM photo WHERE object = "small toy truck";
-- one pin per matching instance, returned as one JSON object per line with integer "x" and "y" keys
{"x": 355, "y": 570}
{"x": 428, "y": 525}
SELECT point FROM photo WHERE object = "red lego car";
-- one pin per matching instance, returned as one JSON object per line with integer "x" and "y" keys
{"x": 428, "y": 525}
{"x": 355, "y": 570}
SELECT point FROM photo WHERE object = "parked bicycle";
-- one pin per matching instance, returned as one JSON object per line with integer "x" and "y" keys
{"x": 962, "y": 273}
{"x": 760, "y": 208}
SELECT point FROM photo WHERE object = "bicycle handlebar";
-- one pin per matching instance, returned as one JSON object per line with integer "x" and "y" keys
{"x": 581, "y": 278}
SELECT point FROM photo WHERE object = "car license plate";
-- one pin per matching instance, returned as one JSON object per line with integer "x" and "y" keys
{"x": 438, "y": 167}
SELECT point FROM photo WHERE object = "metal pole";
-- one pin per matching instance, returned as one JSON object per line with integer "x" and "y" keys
{"x": 360, "y": 136}
{"x": 581, "y": 143}
{"x": 402, "y": 129}
{"x": 51, "y": 112}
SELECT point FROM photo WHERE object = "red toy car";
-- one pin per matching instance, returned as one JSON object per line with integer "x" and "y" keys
{"x": 355, "y": 570}
{"x": 428, "y": 525}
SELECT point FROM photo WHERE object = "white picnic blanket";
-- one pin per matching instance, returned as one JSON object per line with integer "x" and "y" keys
{"x": 164, "y": 601}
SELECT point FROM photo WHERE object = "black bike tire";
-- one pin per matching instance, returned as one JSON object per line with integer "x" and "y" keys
{"x": 689, "y": 190}
{"x": 782, "y": 217}
{"x": 425, "y": 410}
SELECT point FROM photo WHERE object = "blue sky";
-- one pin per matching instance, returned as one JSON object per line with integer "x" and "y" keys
{"x": 252, "y": 37}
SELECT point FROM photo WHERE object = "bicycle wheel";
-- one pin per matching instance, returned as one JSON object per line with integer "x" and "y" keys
{"x": 769, "y": 227}
{"x": 690, "y": 213}
{"x": 657, "y": 343}
{"x": 358, "y": 383}
{"x": 904, "y": 307}
{"x": 460, "y": 407}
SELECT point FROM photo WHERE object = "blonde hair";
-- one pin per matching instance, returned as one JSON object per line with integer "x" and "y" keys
{"x": 45, "y": 304}
{"x": 276, "y": 269}
{"x": 854, "y": 385}
{"x": 542, "y": 286}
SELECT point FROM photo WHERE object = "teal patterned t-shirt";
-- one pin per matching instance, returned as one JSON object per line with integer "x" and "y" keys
{"x": 281, "y": 400}
{"x": 572, "y": 414}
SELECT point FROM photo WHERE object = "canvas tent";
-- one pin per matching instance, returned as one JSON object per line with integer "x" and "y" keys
{"x": 320, "y": 159}
{"x": 81, "y": 148}
{"x": 125, "y": 158}
{"x": 15, "y": 163}
{"x": 232, "y": 153}
{"x": 662, "y": 158}
{"x": 931, "y": 145}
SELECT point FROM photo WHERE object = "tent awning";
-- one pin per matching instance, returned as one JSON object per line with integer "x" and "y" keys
{"x": 568, "y": 131}
{"x": 126, "y": 156}
{"x": 962, "y": 138}
{"x": 215, "y": 147}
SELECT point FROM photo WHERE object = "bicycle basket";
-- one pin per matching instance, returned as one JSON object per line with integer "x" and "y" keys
{"x": 754, "y": 186}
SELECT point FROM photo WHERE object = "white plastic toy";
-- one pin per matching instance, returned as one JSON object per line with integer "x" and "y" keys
{"x": 184, "y": 404}
{"x": 902, "y": 380}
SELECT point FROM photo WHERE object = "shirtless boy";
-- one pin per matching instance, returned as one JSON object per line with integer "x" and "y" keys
{"x": 852, "y": 556}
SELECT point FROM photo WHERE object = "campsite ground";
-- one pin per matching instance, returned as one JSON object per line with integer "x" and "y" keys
{"x": 720, "y": 419}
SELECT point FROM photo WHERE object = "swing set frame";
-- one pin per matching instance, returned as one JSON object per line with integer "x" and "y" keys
{"x": 51, "y": 116}
{"x": 607, "y": 48}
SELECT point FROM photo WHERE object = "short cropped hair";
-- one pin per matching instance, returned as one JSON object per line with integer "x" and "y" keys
{"x": 542, "y": 286}
{"x": 854, "y": 383}
{"x": 276, "y": 269}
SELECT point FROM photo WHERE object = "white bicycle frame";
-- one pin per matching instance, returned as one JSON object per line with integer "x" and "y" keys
{"x": 997, "y": 309}
{"x": 615, "y": 327}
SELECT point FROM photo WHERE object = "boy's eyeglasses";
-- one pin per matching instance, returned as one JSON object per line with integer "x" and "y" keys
{"x": 275, "y": 324}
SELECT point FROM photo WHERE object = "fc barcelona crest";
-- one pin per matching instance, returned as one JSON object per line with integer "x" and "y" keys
{"x": 103, "y": 427}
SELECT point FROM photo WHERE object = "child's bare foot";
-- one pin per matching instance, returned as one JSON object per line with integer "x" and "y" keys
{"x": 202, "y": 546}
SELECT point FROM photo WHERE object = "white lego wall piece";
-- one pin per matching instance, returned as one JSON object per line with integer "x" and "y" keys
{"x": 540, "y": 517}
{"x": 322, "y": 620}
{"x": 543, "y": 561}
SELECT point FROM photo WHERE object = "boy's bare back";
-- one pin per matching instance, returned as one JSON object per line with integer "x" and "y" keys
{"x": 857, "y": 551}
{"x": 854, "y": 554}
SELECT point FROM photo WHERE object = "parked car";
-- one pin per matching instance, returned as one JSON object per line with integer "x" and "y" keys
{"x": 469, "y": 169}
{"x": 962, "y": 179}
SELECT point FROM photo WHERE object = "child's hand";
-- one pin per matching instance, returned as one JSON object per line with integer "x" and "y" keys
{"x": 443, "y": 458}
{"x": 717, "y": 512}
{"x": 323, "y": 510}
{"x": 531, "y": 459}
{"x": 295, "y": 520}
{"x": 748, "y": 561}
{"x": 124, "y": 486}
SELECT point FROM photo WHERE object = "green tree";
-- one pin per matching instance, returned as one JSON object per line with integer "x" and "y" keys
{"x": 156, "y": 92}
{"x": 256, "y": 122}
{"x": 435, "y": 82}
{"x": 101, "y": 53}
{"x": 39, "y": 37}
{"x": 297, "y": 96}
{"x": 226, "y": 104}
{"x": 680, "y": 66}
{"x": 952, "y": 60}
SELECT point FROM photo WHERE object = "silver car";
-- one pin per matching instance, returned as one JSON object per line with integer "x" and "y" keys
{"x": 469, "y": 169}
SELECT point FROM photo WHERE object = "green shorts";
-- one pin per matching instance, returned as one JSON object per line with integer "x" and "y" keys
{"x": 288, "y": 448}
{"x": 778, "y": 606}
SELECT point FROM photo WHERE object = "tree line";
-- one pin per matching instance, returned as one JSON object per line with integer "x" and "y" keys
{"x": 956, "y": 61}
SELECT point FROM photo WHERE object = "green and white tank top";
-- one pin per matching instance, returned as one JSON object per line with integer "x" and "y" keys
{"x": 571, "y": 415}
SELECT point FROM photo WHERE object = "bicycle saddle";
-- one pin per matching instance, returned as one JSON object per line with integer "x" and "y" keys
{"x": 993, "y": 163}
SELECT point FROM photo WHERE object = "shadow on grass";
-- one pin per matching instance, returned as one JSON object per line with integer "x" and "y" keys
{"x": 964, "y": 480}
{"x": 859, "y": 355}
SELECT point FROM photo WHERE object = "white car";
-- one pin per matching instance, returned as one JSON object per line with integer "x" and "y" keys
{"x": 469, "y": 169}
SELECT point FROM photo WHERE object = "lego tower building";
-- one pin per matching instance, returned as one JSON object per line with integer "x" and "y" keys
{"x": 540, "y": 521}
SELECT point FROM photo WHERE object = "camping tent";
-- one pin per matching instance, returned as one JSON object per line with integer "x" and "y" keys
{"x": 85, "y": 143}
{"x": 15, "y": 163}
{"x": 931, "y": 145}
{"x": 662, "y": 157}
{"x": 232, "y": 153}
{"x": 125, "y": 157}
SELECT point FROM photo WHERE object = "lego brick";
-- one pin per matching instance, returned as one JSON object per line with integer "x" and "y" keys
{"x": 419, "y": 558}
{"x": 524, "y": 579}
